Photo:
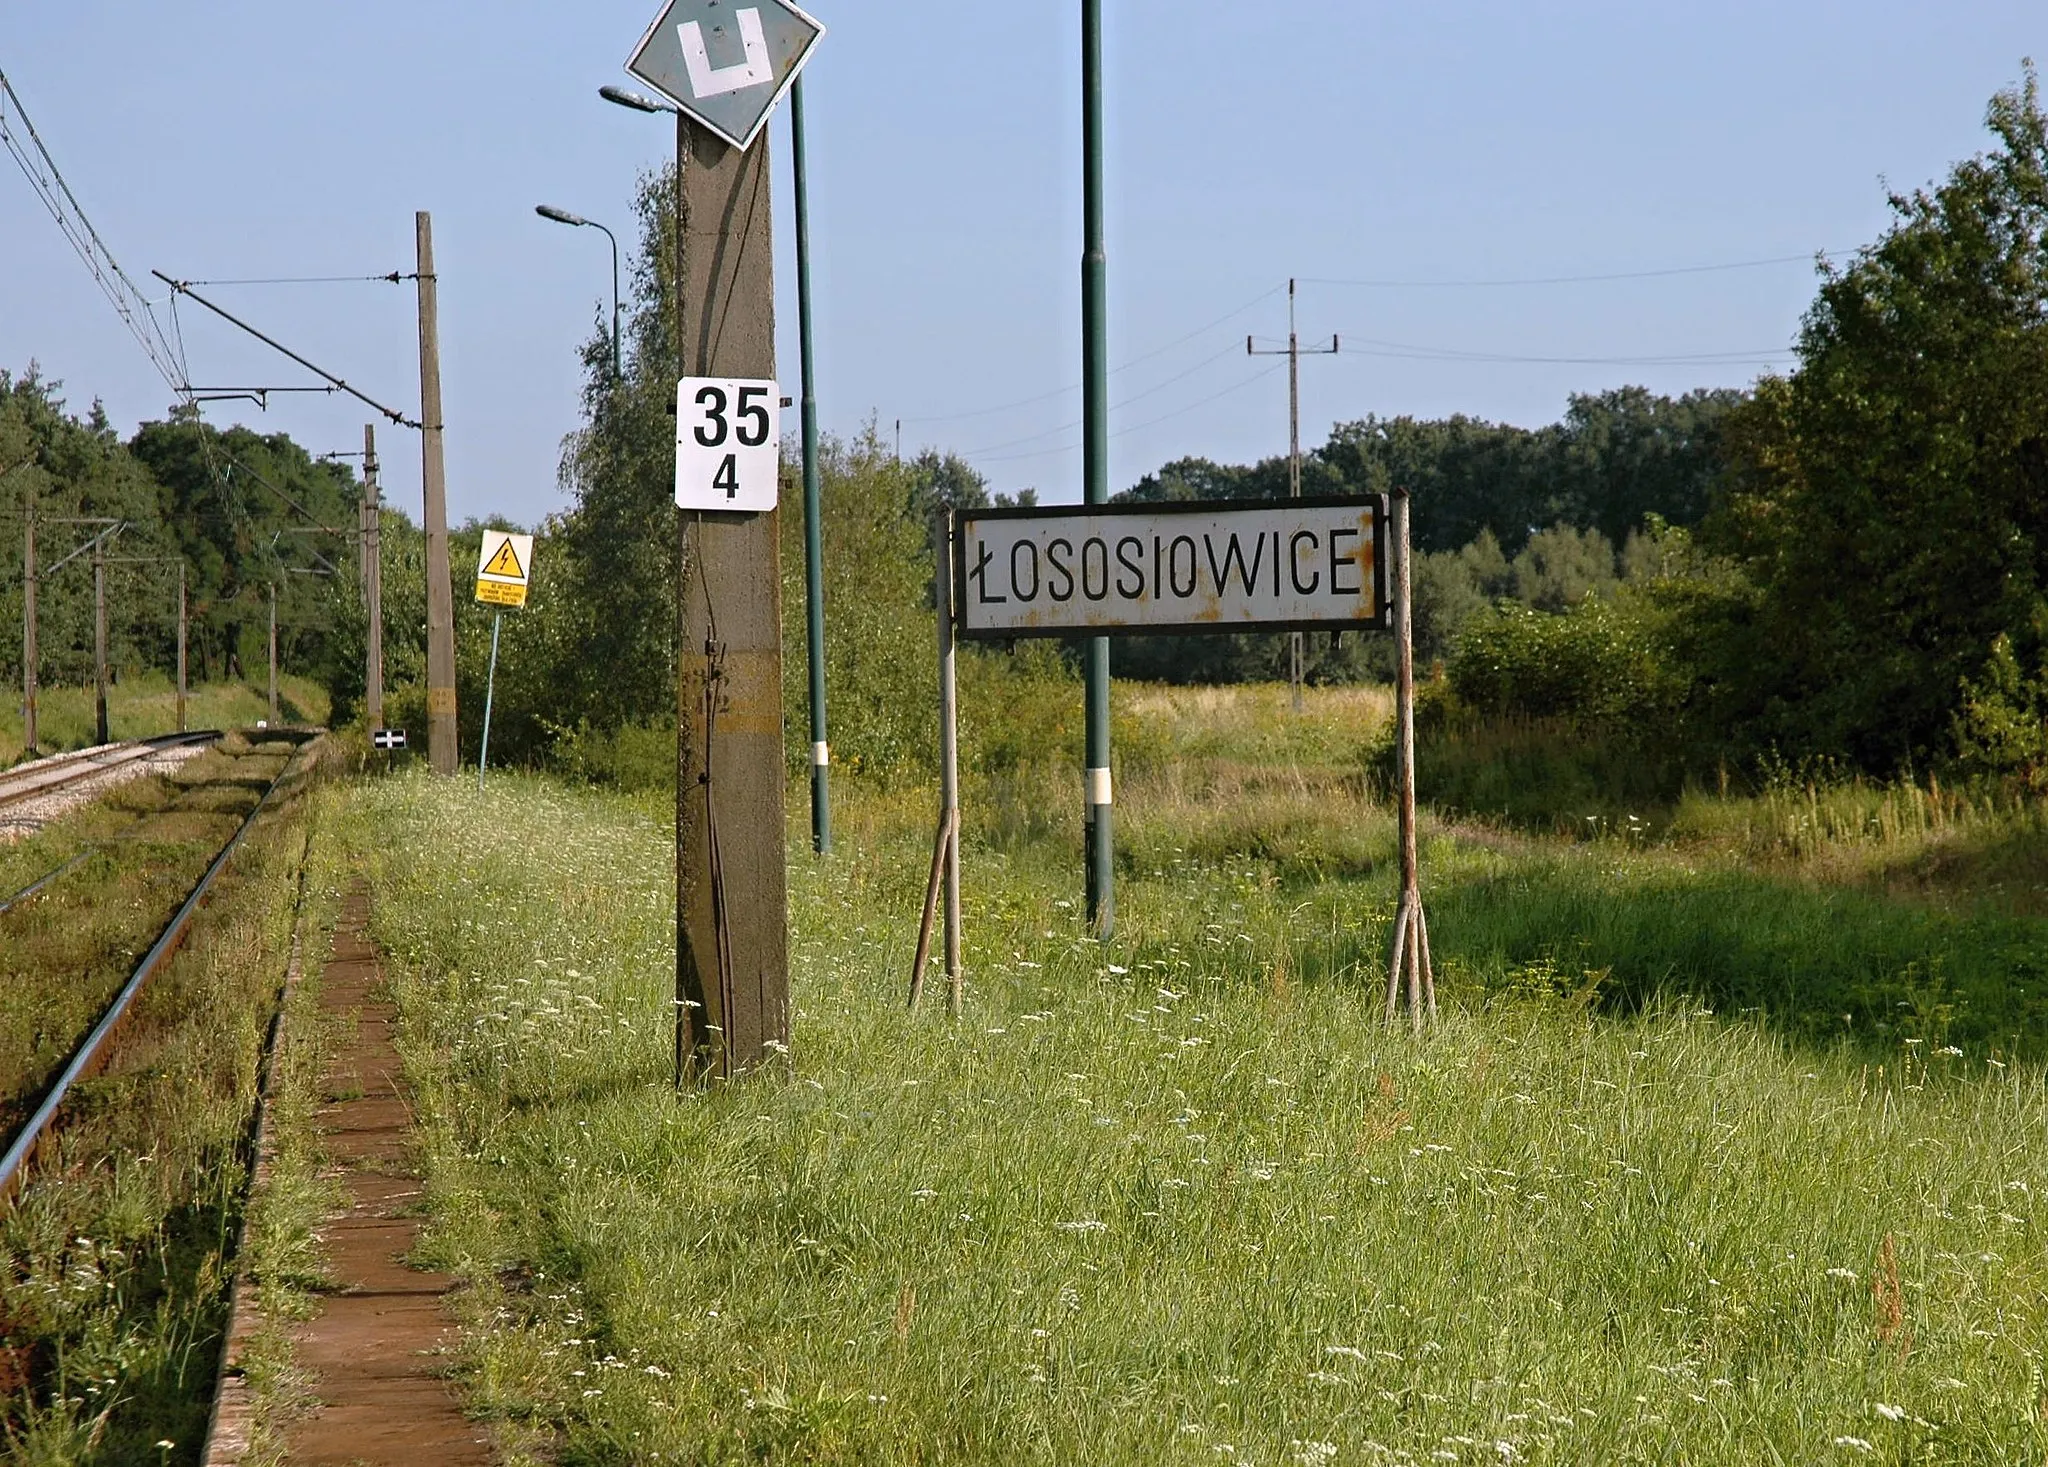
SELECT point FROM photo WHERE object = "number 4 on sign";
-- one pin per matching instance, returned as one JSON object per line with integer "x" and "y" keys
{"x": 728, "y": 444}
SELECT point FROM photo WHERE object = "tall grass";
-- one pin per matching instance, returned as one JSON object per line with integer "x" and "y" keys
{"x": 1182, "y": 1198}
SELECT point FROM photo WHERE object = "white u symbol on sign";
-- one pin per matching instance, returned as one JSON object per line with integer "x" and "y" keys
{"x": 709, "y": 81}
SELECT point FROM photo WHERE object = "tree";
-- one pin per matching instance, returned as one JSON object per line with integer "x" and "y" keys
{"x": 1890, "y": 496}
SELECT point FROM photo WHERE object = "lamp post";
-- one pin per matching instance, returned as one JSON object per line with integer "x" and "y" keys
{"x": 563, "y": 216}
{"x": 814, "y": 583}
{"x": 1100, "y": 838}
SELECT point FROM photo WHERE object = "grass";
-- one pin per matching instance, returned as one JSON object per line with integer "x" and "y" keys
{"x": 116, "y": 1254}
{"x": 1184, "y": 1198}
{"x": 145, "y": 704}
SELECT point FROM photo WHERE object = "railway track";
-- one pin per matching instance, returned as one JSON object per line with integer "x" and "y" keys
{"x": 91, "y": 1051}
{"x": 48, "y": 776}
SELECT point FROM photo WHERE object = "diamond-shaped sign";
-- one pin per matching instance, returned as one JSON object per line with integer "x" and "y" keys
{"x": 726, "y": 63}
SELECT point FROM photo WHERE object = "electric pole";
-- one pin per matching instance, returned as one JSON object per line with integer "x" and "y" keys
{"x": 1097, "y": 793}
{"x": 373, "y": 581}
{"x": 273, "y": 654}
{"x": 29, "y": 732}
{"x": 1294, "y": 354}
{"x": 99, "y": 638}
{"x": 181, "y": 644}
{"x": 442, "y": 751}
{"x": 732, "y": 900}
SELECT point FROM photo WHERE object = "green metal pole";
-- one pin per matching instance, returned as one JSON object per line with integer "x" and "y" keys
{"x": 814, "y": 539}
{"x": 1095, "y": 480}
{"x": 483, "y": 755}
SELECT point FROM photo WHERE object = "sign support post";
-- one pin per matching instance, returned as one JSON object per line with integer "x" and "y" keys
{"x": 949, "y": 757}
{"x": 1408, "y": 957}
{"x": 945, "y": 874}
{"x": 483, "y": 753}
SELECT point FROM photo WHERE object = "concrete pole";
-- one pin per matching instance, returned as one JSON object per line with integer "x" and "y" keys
{"x": 273, "y": 654}
{"x": 30, "y": 653}
{"x": 732, "y": 941}
{"x": 1098, "y": 796}
{"x": 441, "y": 730}
{"x": 182, "y": 639}
{"x": 99, "y": 639}
{"x": 373, "y": 580}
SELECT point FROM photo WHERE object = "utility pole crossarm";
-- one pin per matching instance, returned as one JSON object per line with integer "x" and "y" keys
{"x": 182, "y": 288}
{"x": 1294, "y": 352}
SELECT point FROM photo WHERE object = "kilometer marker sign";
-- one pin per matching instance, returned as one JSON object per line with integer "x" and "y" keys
{"x": 1194, "y": 567}
{"x": 728, "y": 444}
{"x": 504, "y": 569}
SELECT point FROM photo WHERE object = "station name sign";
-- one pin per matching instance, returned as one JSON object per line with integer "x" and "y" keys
{"x": 1270, "y": 565}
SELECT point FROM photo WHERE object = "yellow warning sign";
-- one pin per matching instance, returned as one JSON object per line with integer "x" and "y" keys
{"x": 506, "y": 563}
{"x": 500, "y": 593}
{"x": 504, "y": 566}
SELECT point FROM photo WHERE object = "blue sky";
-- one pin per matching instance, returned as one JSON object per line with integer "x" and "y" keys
{"x": 1326, "y": 139}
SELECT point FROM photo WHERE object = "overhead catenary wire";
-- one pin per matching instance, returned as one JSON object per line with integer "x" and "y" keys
{"x": 18, "y": 134}
{"x": 393, "y": 277}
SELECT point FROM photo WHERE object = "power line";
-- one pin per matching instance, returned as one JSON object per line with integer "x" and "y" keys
{"x": 1159, "y": 351}
{"x": 1515, "y": 281}
{"x": 1235, "y": 387}
{"x": 1408, "y": 351}
{"x": 41, "y": 171}
{"x": 1228, "y": 351}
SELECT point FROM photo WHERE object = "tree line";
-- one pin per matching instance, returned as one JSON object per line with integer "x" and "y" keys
{"x": 235, "y": 507}
{"x": 1846, "y": 564}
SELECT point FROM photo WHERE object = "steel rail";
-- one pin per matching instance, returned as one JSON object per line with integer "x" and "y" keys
{"x": 89, "y": 1050}
{"x": 65, "y": 770}
{"x": 8, "y": 904}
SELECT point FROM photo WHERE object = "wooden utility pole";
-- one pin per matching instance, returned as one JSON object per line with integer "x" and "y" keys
{"x": 373, "y": 581}
{"x": 182, "y": 623}
{"x": 99, "y": 638}
{"x": 273, "y": 654}
{"x": 1296, "y": 648}
{"x": 732, "y": 903}
{"x": 1408, "y": 957}
{"x": 441, "y": 730}
{"x": 29, "y": 652}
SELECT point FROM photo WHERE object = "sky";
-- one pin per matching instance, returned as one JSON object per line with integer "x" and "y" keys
{"x": 1431, "y": 174}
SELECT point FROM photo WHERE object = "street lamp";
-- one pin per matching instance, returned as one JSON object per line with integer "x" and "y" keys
{"x": 563, "y": 216}
{"x": 637, "y": 102}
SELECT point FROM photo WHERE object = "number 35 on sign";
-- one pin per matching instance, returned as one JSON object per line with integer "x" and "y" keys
{"x": 728, "y": 437}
